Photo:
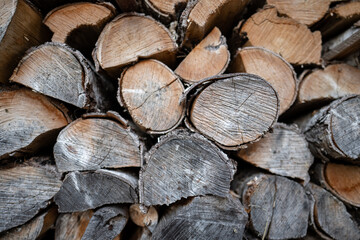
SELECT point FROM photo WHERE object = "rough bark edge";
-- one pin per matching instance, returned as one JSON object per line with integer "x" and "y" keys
{"x": 183, "y": 21}
{"x": 163, "y": 16}
{"x": 196, "y": 89}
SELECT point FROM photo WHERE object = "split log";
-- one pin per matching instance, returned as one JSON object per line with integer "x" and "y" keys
{"x": 106, "y": 223}
{"x": 305, "y": 12}
{"x": 79, "y": 24}
{"x": 29, "y": 121}
{"x": 278, "y": 207}
{"x": 97, "y": 142}
{"x": 119, "y": 45}
{"x": 284, "y": 36}
{"x": 72, "y": 226}
{"x": 333, "y": 82}
{"x": 143, "y": 216}
{"x": 151, "y": 92}
{"x": 183, "y": 165}
{"x": 270, "y": 66}
{"x": 33, "y": 229}
{"x": 89, "y": 190}
{"x": 333, "y": 133}
{"x": 284, "y": 151}
{"x": 201, "y": 16}
{"x": 25, "y": 189}
{"x": 233, "y": 109}
{"x": 341, "y": 180}
{"x": 344, "y": 44}
{"x": 329, "y": 216}
{"x": 165, "y": 10}
{"x": 206, "y": 217}
{"x": 58, "y": 71}
{"x": 141, "y": 233}
{"x": 20, "y": 28}
{"x": 209, "y": 58}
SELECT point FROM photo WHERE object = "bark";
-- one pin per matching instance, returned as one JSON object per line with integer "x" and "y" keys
{"x": 72, "y": 226}
{"x": 166, "y": 11}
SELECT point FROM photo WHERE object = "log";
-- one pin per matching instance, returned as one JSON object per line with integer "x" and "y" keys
{"x": 284, "y": 36}
{"x": 183, "y": 165}
{"x": 79, "y": 24}
{"x": 72, "y": 226}
{"x": 29, "y": 121}
{"x": 278, "y": 207}
{"x": 233, "y": 109}
{"x": 56, "y": 70}
{"x": 33, "y": 229}
{"x": 151, "y": 92}
{"x": 91, "y": 143}
{"x": 305, "y": 12}
{"x": 209, "y": 58}
{"x": 106, "y": 223}
{"x": 329, "y": 216}
{"x": 89, "y": 190}
{"x": 335, "y": 81}
{"x": 20, "y": 28}
{"x": 270, "y": 66}
{"x": 118, "y": 43}
{"x": 141, "y": 233}
{"x": 284, "y": 151}
{"x": 25, "y": 189}
{"x": 206, "y": 217}
{"x": 165, "y": 10}
{"x": 201, "y": 16}
{"x": 146, "y": 217}
{"x": 333, "y": 133}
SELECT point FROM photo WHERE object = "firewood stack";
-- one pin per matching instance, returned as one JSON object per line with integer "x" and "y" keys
{"x": 180, "y": 119}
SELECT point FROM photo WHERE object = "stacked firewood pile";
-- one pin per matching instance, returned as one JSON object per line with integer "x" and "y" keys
{"x": 180, "y": 119}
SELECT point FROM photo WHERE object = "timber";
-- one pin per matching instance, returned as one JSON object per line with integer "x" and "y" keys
{"x": 72, "y": 226}
{"x": 144, "y": 216}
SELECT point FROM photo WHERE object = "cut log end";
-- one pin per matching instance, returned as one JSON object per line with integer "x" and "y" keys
{"x": 144, "y": 216}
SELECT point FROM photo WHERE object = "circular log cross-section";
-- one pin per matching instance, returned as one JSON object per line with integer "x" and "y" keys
{"x": 235, "y": 109}
{"x": 151, "y": 92}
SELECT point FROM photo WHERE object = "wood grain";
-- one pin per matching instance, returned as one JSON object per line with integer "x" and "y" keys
{"x": 72, "y": 226}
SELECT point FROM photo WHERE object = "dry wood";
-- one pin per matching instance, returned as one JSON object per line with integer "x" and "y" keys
{"x": 284, "y": 36}
{"x": 29, "y": 121}
{"x": 278, "y": 207}
{"x": 201, "y": 16}
{"x": 284, "y": 151}
{"x": 151, "y": 92}
{"x": 333, "y": 82}
{"x": 25, "y": 189}
{"x": 92, "y": 143}
{"x": 20, "y": 28}
{"x": 333, "y": 133}
{"x": 119, "y": 45}
{"x": 305, "y": 12}
{"x": 270, "y": 66}
{"x": 329, "y": 216}
{"x": 60, "y": 72}
{"x": 233, "y": 109}
{"x": 206, "y": 217}
{"x": 106, "y": 223}
{"x": 165, "y": 10}
{"x": 183, "y": 165}
{"x": 89, "y": 190}
{"x": 72, "y": 226}
{"x": 141, "y": 233}
{"x": 144, "y": 216}
{"x": 209, "y": 58}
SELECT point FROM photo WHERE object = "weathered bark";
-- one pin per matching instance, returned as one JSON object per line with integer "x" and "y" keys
{"x": 106, "y": 223}
{"x": 25, "y": 189}
{"x": 58, "y": 71}
{"x": 333, "y": 133}
{"x": 165, "y": 10}
{"x": 151, "y": 92}
{"x": 206, "y": 217}
{"x": 92, "y": 143}
{"x": 28, "y": 121}
{"x": 305, "y": 12}
{"x": 329, "y": 216}
{"x": 270, "y": 66}
{"x": 183, "y": 165}
{"x": 144, "y": 216}
{"x": 20, "y": 28}
{"x": 119, "y": 45}
{"x": 209, "y": 58}
{"x": 72, "y": 226}
{"x": 284, "y": 151}
{"x": 83, "y": 191}
{"x": 284, "y": 36}
{"x": 233, "y": 109}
